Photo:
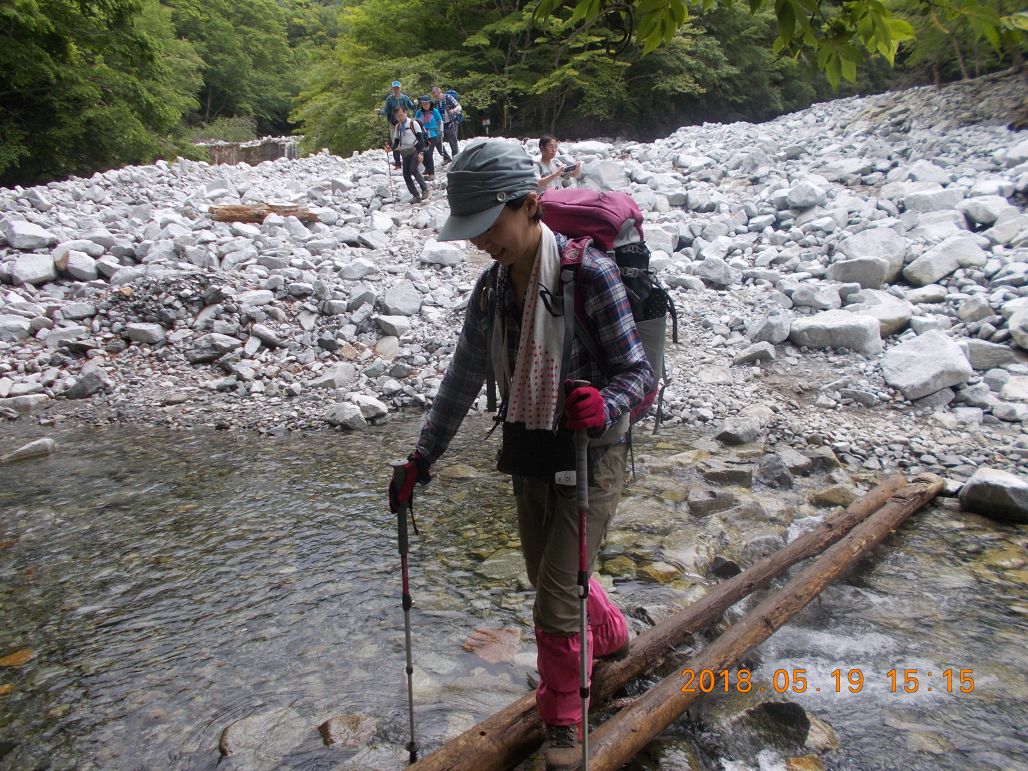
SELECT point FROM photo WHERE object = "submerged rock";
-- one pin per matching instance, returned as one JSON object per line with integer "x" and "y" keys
{"x": 348, "y": 732}
{"x": 36, "y": 449}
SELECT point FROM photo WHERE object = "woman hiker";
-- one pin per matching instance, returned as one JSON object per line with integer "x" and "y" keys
{"x": 494, "y": 202}
{"x": 551, "y": 172}
{"x": 409, "y": 141}
{"x": 433, "y": 122}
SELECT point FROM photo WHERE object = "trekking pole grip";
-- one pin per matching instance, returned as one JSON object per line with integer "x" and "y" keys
{"x": 399, "y": 477}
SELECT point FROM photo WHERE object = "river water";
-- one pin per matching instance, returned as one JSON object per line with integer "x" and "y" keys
{"x": 157, "y": 587}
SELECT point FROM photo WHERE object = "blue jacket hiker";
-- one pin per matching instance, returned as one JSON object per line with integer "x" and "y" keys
{"x": 433, "y": 122}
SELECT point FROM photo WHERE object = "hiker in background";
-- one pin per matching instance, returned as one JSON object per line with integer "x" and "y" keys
{"x": 430, "y": 118}
{"x": 393, "y": 101}
{"x": 552, "y": 173}
{"x": 512, "y": 322}
{"x": 409, "y": 144}
{"x": 449, "y": 107}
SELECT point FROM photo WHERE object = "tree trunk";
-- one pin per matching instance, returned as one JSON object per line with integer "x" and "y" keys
{"x": 620, "y": 738}
{"x": 512, "y": 734}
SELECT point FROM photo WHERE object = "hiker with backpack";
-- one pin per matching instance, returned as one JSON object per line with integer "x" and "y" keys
{"x": 520, "y": 326}
{"x": 394, "y": 101}
{"x": 409, "y": 144}
{"x": 449, "y": 107}
{"x": 429, "y": 117}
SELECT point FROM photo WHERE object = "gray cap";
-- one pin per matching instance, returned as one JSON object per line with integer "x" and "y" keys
{"x": 482, "y": 179}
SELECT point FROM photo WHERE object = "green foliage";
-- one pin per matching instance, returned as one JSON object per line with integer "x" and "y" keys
{"x": 529, "y": 73}
{"x": 86, "y": 85}
{"x": 961, "y": 39}
{"x": 91, "y": 84}
{"x": 248, "y": 66}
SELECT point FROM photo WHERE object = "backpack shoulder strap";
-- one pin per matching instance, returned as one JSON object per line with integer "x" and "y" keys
{"x": 571, "y": 259}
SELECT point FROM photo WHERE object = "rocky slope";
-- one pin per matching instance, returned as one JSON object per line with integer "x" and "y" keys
{"x": 850, "y": 276}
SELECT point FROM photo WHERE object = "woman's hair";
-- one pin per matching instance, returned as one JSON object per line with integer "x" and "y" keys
{"x": 545, "y": 139}
{"x": 517, "y": 203}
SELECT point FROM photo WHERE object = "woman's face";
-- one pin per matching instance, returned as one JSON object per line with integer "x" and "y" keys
{"x": 549, "y": 150}
{"x": 514, "y": 237}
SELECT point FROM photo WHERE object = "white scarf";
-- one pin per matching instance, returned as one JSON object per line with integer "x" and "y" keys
{"x": 534, "y": 386}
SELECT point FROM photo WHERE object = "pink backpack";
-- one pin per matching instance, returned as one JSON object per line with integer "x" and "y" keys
{"x": 612, "y": 221}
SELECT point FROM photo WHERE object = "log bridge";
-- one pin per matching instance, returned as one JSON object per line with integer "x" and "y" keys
{"x": 512, "y": 734}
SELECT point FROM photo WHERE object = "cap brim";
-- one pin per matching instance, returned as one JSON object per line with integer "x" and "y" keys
{"x": 457, "y": 228}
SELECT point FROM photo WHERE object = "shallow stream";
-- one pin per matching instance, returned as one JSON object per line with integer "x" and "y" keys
{"x": 162, "y": 586}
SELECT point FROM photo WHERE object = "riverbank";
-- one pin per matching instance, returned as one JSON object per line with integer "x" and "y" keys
{"x": 852, "y": 277}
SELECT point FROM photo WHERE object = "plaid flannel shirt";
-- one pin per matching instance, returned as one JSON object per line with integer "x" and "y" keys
{"x": 623, "y": 379}
{"x": 446, "y": 107}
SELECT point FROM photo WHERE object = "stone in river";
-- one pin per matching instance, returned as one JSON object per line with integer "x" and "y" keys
{"x": 270, "y": 734}
{"x": 35, "y": 449}
{"x": 348, "y": 732}
{"x": 18, "y": 658}
{"x": 493, "y": 645}
{"x": 997, "y": 494}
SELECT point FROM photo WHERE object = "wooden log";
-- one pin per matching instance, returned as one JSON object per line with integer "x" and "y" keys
{"x": 507, "y": 737}
{"x": 620, "y": 738}
{"x": 257, "y": 212}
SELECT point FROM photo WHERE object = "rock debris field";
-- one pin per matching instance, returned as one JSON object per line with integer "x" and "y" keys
{"x": 853, "y": 276}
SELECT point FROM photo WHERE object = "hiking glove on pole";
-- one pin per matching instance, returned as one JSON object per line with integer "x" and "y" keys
{"x": 415, "y": 470}
{"x": 585, "y": 409}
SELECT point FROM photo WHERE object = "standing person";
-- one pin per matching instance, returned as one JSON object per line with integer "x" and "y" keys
{"x": 430, "y": 118}
{"x": 394, "y": 100}
{"x": 552, "y": 173}
{"x": 494, "y": 202}
{"x": 409, "y": 144}
{"x": 452, "y": 114}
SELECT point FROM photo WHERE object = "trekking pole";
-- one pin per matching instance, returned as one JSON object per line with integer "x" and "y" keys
{"x": 389, "y": 166}
{"x": 582, "y": 498}
{"x": 401, "y": 534}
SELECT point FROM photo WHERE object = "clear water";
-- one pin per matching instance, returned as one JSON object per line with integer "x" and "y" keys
{"x": 170, "y": 584}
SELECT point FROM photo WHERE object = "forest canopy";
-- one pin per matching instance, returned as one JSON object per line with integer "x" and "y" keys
{"x": 95, "y": 84}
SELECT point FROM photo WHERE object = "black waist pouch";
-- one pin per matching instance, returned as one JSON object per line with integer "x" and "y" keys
{"x": 535, "y": 453}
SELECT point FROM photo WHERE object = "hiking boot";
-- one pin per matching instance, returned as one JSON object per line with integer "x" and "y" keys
{"x": 446, "y": 160}
{"x": 430, "y": 177}
{"x": 416, "y": 199}
{"x": 425, "y": 194}
{"x": 562, "y": 748}
{"x": 397, "y": 166}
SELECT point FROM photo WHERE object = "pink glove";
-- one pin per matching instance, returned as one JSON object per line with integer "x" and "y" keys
{"x": 584, "y": 408}
{"x": 414, "y": 470}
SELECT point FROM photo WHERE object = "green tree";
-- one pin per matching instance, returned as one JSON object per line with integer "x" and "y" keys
{"x": 85, "y": 85}
{"x": 835, "y": 36}
{"x": 247, "y": 63}
{"x": 957, "y": 40}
